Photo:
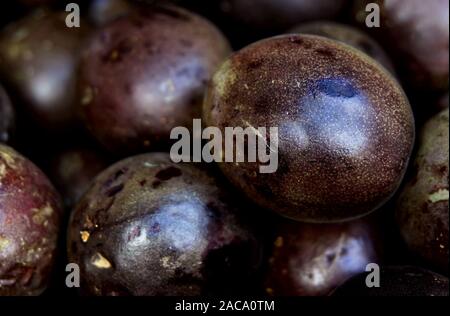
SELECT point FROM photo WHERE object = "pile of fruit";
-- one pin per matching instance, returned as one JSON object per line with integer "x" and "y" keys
{"x": 358, "y": 92}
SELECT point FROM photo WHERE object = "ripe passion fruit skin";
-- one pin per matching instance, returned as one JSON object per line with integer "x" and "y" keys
{"x": 345, "y": 126}
{"x": 146, "y": 73}
{"x": 149, "y": 227}
{"x": 30, "y": 215}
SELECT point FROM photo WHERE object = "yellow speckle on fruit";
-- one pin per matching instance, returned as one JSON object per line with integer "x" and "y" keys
{"x": 88, "y": 96}
{"x": 438, "y": 196}
{"x": 100, "y": 261}
{"x": 42, "y": 214}
{"x": 224, "y": 78}
{"x": 279, "y": 242}
{"x": 84, "y": 235}
{"x": 3, "y": 243}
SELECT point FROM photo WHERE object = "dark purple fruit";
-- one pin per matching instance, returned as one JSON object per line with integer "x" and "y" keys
{"x": 313, "y": 259}
{"x": 157, "y": 63}
{"x": 7, "y": 117}
{"x": 422, "y": 208}
{"x": 345, "y": 127}
{"x": 30, "y": 211}
{"x": 102, "y": 12}
{"x": 39, "y": 59}
{"x": 148, "y": 226}
{"x": 348, "y": 35}
{"x": 279, "y": 15}
{"x": 397, "y": 281}
{"x": 73, "y": 170}
{"x": 415, "y": 32}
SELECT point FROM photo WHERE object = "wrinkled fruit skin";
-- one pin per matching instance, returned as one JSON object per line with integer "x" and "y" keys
{"x": 7, "y": 117}
{"x": 397, "y": 281}
{"x": 148, "y": 226}
{"x": 279, "y": 15}
{"x": 350, "y": 36}
{"x": 313, "y": 259}
{"x": 73, "y": 170}
{"x": 39, "y": 57}
{"x": 345, "y": 127}
{"x": 30, "y": 211}
{"x": 422, "y": 209}
{"x": 157, "y": 63}
{"x": 417, "y": 33}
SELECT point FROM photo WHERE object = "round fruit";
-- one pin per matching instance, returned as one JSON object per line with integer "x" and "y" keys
{"x": 30, "y": 212}
{"x": 6, "y": 117}
{"x": 157, "y": 63}
{"x": 148, "y": 226}
{"x": 313, "y": 259}
{"x": 38, "y": 59}
{"x": 350, "y": 36}
{"x": 345, "y": 127}
{"x": 422, "y": 209}
{"x": 397, "y": 281}
{"x": 417, "y": 33}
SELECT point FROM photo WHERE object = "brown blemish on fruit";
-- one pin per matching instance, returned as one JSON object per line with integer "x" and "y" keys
{"x": 84, "y": 235}
{"x": 168, "y": 173}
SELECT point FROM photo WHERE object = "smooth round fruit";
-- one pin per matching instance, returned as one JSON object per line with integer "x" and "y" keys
{"x": 422, "y": 208}
{"x": 313, "y": 259}
{"x": 39, "y": 59}
{"x": 30, "y": 212}
{"x": 397, "y": 281}
{"x": 345, "y": 127}
{"x": 157, "y": 63}
{"x": 416, "y": 32}
{"x": 7, "y": 117}
{"x": 350, "y": 36}
{"x": 73, "y": 170}
{"x": 279, "y": 15}
{"x": 148, "y": 226}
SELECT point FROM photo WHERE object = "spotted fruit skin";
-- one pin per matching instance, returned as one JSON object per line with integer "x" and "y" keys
{"x": 314, "y": 259}
{"x": 345, "y": 126}
{"x": 349, "y": 35}
{"x": 422, "y": 208}
{"x": 30, "y": 212}
{"x": 151, "y": 227}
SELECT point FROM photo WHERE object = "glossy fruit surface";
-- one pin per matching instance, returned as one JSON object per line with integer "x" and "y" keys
{"x": 38, "y": 60}
{"x": 146, "y": 73}
{"x": 313, "y": 259}
{"x": 30, "y": 212}
{"x": 151, "y": 227}
{"x": 416, "y": 32}
{"x": 345, "y": 127}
